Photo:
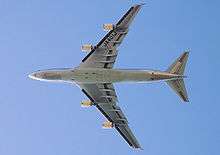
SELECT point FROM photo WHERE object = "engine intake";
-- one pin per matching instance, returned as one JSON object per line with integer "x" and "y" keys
{"x": 108, "y": 27}
{"x": 86, "y": 103}
{"x": 107, "y": 125}
{"x": 87, "y": 48}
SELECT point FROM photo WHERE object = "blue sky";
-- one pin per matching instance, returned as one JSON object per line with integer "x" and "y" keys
{"x": 45, "y": 118}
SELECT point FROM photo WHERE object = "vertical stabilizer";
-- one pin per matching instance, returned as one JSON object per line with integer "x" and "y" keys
{"x": 178, "y": 68}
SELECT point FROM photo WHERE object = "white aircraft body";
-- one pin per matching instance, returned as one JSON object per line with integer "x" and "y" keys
{"x": 95, "y": 76}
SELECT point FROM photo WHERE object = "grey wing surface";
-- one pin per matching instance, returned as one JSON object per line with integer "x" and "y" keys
{"x": 104, "y": 54}
{"x": 104, "y": 98}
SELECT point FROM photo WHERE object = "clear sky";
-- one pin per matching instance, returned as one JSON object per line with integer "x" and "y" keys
{"x": 38, "y": 118}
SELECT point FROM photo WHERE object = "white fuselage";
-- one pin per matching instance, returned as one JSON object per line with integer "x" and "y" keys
{"x": 96, "y": 75}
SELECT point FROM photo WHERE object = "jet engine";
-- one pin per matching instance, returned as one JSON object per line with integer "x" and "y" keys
{"x": 86, "y": 103}
{"x": 108, "y": 27}
{"x": 87, "y": 48}
{"x": 107, "y": 125}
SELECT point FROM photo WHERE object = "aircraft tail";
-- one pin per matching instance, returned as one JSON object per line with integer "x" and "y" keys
{"x": 178, "y": 68}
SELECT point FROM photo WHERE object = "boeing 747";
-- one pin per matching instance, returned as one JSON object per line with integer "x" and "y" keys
{"x": 95, "y": 76}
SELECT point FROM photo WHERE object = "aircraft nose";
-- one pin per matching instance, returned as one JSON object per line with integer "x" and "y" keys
{"x": 35, "y": 76}
{"x": 31, "y": 76}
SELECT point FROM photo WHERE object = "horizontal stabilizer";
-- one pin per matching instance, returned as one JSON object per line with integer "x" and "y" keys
{"x": 179, "y": 65}
{"x": 179, "y": 87}
{"x": 178, "y": 68}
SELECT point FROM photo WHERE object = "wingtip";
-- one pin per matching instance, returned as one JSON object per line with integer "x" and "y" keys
{"x": 137, "y": 148}
{"x": 186, "y": 100}
{"x": 139, "y": 4}
{"x": 187, "y": 51}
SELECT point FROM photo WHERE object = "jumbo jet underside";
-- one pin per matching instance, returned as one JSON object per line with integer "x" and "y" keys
{"x": 95, "y": 76}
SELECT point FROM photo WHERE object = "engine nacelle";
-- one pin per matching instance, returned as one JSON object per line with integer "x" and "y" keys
{"x": 107, "y": 125}
{"x": 108, "y": 27}
{"x": 87, "y": 48}
{"x": 86, "y": 103}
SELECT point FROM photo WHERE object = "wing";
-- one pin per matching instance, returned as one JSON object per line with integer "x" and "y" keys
{"x": 104, "y": 98}
{"x": 105, "y": 52}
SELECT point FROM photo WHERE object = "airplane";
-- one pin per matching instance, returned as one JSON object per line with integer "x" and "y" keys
{"x": 95, "y": 76}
